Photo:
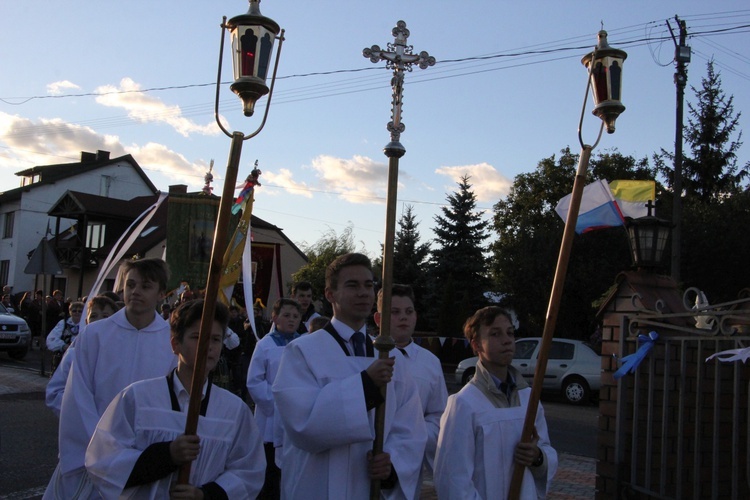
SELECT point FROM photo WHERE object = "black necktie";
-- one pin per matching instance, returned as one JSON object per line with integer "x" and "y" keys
{"x": 359, "y": 343}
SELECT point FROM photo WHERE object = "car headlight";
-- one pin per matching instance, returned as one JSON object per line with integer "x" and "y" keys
{"x": 24, "y": 328}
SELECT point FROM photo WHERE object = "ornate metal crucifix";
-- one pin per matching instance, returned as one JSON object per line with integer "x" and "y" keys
{"x": 399, "y": 58}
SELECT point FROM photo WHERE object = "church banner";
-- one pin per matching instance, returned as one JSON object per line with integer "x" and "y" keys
{"x": 191, "y": 222}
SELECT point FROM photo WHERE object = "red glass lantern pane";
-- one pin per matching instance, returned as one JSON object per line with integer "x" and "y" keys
{"x": 248, "y": 45}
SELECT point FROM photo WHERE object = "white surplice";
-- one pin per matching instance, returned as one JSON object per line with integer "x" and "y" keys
{"x": 109, "y": 355}
{"x": 476, "y": 445}
{"x": 327, "y": 429}
{"x": 260, "y": 376}
{"x": 427, "y": 372}
{"x": 231, "y": 452}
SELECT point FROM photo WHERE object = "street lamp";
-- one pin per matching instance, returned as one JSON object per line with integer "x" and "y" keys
{"x": 253, "y": 36}
{"x": 604, "y": 65}
{"x": 648, "y": 238}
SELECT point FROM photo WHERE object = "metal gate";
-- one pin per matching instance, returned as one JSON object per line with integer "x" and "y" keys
{"x": 682, "y": 422}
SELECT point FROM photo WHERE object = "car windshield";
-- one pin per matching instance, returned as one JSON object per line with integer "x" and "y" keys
{"x": 3, "y": 310}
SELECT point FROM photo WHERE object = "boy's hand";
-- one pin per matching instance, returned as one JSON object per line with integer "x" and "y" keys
{"x": 185, "y": 492}
{"x": 184, "y": 449}
{"x": 527, "y": 453}
{"x": 381, "y": 371}
{"x": 379, "y": 467}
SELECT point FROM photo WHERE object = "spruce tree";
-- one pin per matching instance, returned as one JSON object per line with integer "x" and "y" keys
{"x": 710, "y": 171}
{"x": 410, "y": 262}
{"x": 458, "y": 263}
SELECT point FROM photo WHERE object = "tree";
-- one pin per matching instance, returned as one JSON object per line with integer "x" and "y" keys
{"x": 529, "y": 232}
{"x": 714, "y": 203}
{"x": 711, "y": 171}
{"x": 458, "y": 264}
{"x": 409, "y": 261}
{"x": 319, "y": 255}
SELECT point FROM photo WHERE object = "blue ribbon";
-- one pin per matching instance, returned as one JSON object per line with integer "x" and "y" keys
{"x": 631, "y": 361}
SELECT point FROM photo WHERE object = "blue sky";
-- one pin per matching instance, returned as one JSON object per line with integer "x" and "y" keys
{"x": 66, "y": 65}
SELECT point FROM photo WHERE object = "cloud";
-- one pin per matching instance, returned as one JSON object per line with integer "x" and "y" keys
{"x": 48, "y": 142}
{"x": 145, "y": 108}
{"x": 488, "y": 184}
{"x": 358, "y": 180}
{"x": 284, "y": 179}
{"x": 56, "y": 88}
{"x": 159, "y": 158}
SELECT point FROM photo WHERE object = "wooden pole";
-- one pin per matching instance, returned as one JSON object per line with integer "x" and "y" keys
{"x": 211, "y": 295}
{"x": 552, "y": 311}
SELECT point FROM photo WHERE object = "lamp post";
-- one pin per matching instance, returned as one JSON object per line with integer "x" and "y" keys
{"x": 253, "y": 36}
{"x": 399, "y": 58}
{"x": 604, "y": 65}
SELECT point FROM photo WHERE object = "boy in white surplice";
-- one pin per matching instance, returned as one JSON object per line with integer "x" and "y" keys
{"x": 326, "y": 390}
{"x": 139, "y": 444}
{"x": 480, "y": 431}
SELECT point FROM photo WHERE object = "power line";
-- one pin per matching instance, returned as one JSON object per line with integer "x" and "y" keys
{"x": 497, "y": 56}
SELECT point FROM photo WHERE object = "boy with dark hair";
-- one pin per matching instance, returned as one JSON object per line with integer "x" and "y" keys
{"x": 302, "y": 292}
{"x": 480, "y": 432}
{"x": 424, "y": 367}
{"x": 326, "y": 390}
{"x": 130, "y": 345}
{"x": 139, "y": 444}
{"x": 264, "y": 365}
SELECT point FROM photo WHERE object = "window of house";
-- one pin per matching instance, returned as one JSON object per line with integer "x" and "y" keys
{"x": 10, "y": 218}
{"x": 95, "y": 235}
{"x": 4, "y": 272}
{"x": 30, "y": 179}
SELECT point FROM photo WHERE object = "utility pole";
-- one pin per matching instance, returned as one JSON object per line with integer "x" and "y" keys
{"x": 681, "y": 57}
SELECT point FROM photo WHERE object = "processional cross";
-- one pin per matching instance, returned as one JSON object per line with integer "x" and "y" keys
{"x": 399, "y": 57}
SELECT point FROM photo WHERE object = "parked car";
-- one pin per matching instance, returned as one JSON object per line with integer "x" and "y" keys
{"x": 573, "y": 367}
{"x": 15, "y": 335}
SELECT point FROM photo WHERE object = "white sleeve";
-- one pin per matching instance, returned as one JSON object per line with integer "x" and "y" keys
{"x": 56, "y": 385}
{"x": 231, "y": 340}
{"x": 319, "y": 417}
{"x": 245, "y": 468}
{"x": 54, "y": 339}
{"x": 78, "y": 413}
{"x": 434, "y": 408}
{"x": 257, "y": 380}
{"x": 112, "y": 453}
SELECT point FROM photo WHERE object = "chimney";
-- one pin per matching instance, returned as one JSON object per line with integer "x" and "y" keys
{"x": 178, "y": 189}
{"x": 102, "y": 155}
{"x": 87, "y": 157}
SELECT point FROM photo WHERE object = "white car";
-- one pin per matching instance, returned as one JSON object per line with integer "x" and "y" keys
{"x": 15, "y": 336}
{"x": 573, "y": 367}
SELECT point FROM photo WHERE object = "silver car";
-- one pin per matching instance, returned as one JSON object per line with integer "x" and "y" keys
{"x": 573, "y": 367}
{"x": 15, "y": 336}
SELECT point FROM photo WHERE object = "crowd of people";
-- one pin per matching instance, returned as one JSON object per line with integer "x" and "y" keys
{"x": 295, "y": 414}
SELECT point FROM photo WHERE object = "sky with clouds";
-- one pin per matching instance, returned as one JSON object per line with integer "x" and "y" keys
{"x": 138, "y": 78}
